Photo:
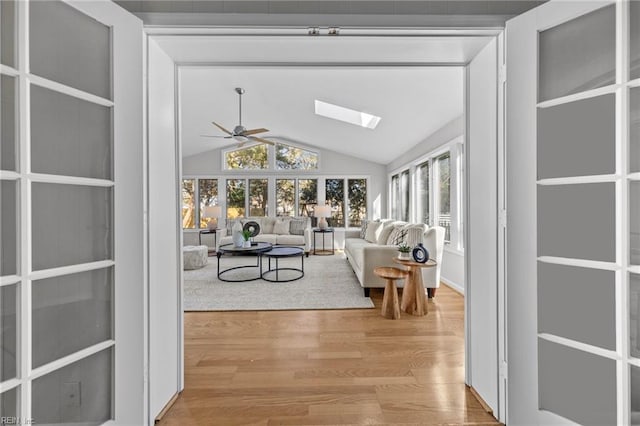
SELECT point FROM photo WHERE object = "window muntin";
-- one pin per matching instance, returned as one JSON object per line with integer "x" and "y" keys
{"x": 293, "y": 158}
{"x": 250, "y": 158}
{"x": 188, "y": 204}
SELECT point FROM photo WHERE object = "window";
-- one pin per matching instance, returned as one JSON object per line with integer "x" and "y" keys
{"x": 307, "y": 196}
{"x": 258, "y": 190}
{"x": 357, "y": 194}
{"x": 334, "y": 196}
{"x": 250, "y": 158}
{"x": 188, "y": 204}
{"x": 422, "y": 206}
{"x": 293, "y": 158}
{"x": 395, "y": 190}
{"x": 443, "y": 163}
{"x": 285, "y": 197}
{"x": 208, "y": 196}
{"x": 404, "y": 196}
{"x": 236, "y": 192}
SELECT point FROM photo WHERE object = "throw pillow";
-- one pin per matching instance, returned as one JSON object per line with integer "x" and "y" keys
{"x": 281, "y": 227}
{"x": 363, "y": 229}
{"x": 385, "y": 231}
{"x": 398, "y": 236}
{"x": 297, "y": 226}
{"x": 372, "y": 232}
{"x": 415, "y": 234}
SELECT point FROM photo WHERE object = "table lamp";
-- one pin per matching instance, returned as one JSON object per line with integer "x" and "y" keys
{"x": 213, "y": 213}
{"x": 322, "y": 212}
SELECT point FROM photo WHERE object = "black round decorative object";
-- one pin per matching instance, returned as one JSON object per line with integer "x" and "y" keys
{"x": 252, "y": 227}
{"x": 420, "y": 254}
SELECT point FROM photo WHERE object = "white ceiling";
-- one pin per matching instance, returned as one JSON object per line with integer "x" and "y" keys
{"x": 415, "y": 84}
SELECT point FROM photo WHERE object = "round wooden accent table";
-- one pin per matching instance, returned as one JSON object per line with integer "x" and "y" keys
{"x": 390, "y": 305}
{"x": 414, "y": 300}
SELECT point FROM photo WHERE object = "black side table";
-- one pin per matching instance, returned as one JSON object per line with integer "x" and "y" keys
{"x": 323, "y": 252}
{"x": 206, "y": 232}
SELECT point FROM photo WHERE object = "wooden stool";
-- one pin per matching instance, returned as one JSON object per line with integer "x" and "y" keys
{"x": 390, "y": 304}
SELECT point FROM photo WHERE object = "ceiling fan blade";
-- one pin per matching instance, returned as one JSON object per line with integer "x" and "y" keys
{"x": 254, "y": 131}
{"x": 221, "y": 128}
{"x": 215, "y": 136}
{"x": 257, "y": 139}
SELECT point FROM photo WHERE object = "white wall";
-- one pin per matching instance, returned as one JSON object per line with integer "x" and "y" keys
{"x": 164, "y": 292}
{"x": 452, "y": 270}
{"x": 482, "y": 230}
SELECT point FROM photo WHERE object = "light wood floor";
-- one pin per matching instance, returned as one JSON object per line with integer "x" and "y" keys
{"x": 327, "y": 367}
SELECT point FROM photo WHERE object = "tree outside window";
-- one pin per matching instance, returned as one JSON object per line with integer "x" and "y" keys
{"x": 236, "y": 192}
{"x": 443, "y": 164}
{"x": 258, "y": 190}
{"x": 285, "y": 197}
{"x": 357, "y": 193}
{"x": 251, "y": 158}
{"x": 334, "y": 195}
{"x": 423, "y": 193}
{"x": 292, "y": 158}
{"x": 307, "y": 196}
{"x": 208, "y": 194}
{"x": 188, "y": 204}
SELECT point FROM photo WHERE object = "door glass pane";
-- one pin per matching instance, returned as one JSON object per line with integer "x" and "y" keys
{"x": 357, "y": 193}
{"x": 635, "y": 39}
{"x": 634, "y": 131}
{"x": 69, "y": 136}
{"x": 8, "y": 331}
{"x": 423, "y": 193}
{"x": 577, "y": 303}
{"x": 634, "y": 222}
{"x": 69, "y": 47}
{"x": 236, "y": 192}
{"x": 635, "y": 395}
{"x": 577, "y": 221}
{"x": 70, "y": 313}
{"x": 188, "y": 203}
{"x": 576, "y": 385}
{"x": 71, "y": 224}
{"x": 307, "y": 196}
{"x": 577, "y": 138}
{"x": 208, "y": 197}
{"x": 285, "y": 197}
{"x": 578, "y": 55}
{"x": 335, "y": 198}
{"x": 634, "y": 315}
{"x": 8, "y": 123}
{"x": 258, "y": 197}
{"x": 89, "y": 379}
{"x": 9, "y": 227}
{"x": 9, "y": 403}
{"x": 8, "y": 31}
{"x": 443, "y": 163}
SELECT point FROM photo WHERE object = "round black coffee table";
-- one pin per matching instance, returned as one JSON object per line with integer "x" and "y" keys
{"x": 278, "y": 253}
{"x": 256, "y": 249}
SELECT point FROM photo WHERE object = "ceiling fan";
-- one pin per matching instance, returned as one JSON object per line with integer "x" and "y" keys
{"x": 240, "y": 134}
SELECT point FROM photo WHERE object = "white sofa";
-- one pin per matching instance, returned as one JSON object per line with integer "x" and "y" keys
{"x": 365, "y": 255}
{"x": 267, "y": 234}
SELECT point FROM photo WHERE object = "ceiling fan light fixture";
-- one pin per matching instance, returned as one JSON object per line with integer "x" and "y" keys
{"x": 346, "y": 115}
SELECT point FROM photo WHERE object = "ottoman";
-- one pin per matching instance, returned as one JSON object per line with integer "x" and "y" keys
{"x": 195, "y": 257}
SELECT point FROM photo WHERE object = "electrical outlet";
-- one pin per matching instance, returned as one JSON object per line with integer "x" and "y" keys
{"x": 71, "y": 394}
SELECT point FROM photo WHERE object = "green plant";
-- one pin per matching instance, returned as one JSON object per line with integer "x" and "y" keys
{"x": 404, "y": 248}
{"x": 246, "y": 234}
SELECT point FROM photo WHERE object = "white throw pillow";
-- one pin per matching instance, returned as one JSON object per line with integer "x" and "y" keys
{"x": 373, "y": 230}
{"x": 281, "y": 227}
{"x": 384, "y": 232}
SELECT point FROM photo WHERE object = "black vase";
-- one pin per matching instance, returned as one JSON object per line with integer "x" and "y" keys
{"x": 420, "y": 254}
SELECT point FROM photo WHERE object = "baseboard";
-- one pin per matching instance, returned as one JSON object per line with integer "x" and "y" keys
{"x": 453, "y": 286}
{"x": 166, "y": 407}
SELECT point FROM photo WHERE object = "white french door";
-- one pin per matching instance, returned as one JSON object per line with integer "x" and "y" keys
{"x": 573, "y": 215}
{"x": 71, "y": 276}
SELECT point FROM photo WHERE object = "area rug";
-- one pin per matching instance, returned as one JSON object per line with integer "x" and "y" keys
{"x": 328, "y": 283}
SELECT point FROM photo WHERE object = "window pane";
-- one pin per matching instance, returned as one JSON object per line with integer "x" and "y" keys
{"x": 71, "y": 224}
{"x": 335, "y": 198}
{"x": 635, "y": 395}
{"x": 70, "y": 313}
{"x": 252, "y": 158}
{"x": 69, "y": 136}
{"x": 69, "y": 47}
{"x": 423, "y": 193}
{"x": 236, "y": 192}
{"x": 395, "y": 201}
{"x": 292, "y": 158}
{"x": 285, "y": 197}
{"x": 188, "y": 204}
{"x": 8, "y": 123}
{"x": 9, "y": 403}
{"x": 634, "y": 222}
{"x": 8, "y": 331}
{"x": 635, "y": 39}
{"x": 258, "y": 197}
{"x": 443, "y": 164}
{"x": 634, "y": 131}
{"x": 357, "y": 201}
{"x": 634, "y": 315}
{"x": 9, "y": 227}
{"x": 8, "y": 32}
{"x": 90, "y": 379}
{"x": 307, "y": 196}
{"x": 578, "y": 55}
{"x": 405, "y": 189}
{"x": 208, "y": 197}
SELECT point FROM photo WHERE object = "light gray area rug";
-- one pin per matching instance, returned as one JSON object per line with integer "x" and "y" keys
{"x": 328, "y": 283}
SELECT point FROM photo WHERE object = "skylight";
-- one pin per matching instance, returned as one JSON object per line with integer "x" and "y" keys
{"x": 347, "y": 115}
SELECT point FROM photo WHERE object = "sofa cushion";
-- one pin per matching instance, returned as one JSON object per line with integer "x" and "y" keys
{"x": 265, "y": 238}
{"x": 363, "y": 227}
{"x": 281, "y": 226}
{"x": 357, "y": 255}
{"x": 297, "y": 226}
{"x": 290, "y": 240}
{"x": 352, "y": 244}
{"x": 373, "y": 231}
{"x": 266, "y": 225}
